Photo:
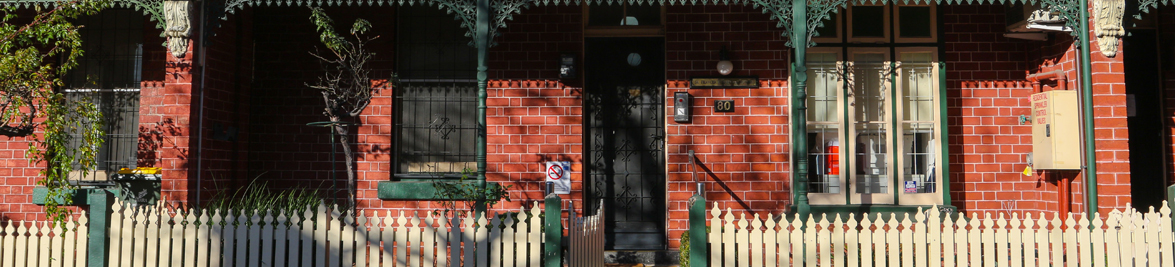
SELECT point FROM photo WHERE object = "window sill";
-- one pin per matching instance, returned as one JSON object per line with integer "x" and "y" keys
{"x": 416, "y": 190}
{"x": 41, "y": 193}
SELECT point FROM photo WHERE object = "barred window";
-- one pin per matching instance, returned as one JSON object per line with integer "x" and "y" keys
{"x": 109, "y": 75}
{"x": 436, "y": 100}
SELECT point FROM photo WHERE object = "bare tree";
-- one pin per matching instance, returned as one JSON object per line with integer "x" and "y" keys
{"x": 345, "y": 83}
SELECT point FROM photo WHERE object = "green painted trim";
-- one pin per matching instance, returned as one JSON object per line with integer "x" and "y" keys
{"x": 699, "y": 239}
{"x": 895, "y": 180}
{"x": 401, "y": 190}
{"x": 99, "y": 211}
{"x": 80, "y": 195}
{"x": 1087, "y": 109}
{"x": 943, "y": 128}
{"x": 553, "y": 231}
{"x": 40, "y": 194}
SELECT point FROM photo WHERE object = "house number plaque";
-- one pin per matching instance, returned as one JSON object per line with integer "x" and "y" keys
{"x": 723, "y": 105}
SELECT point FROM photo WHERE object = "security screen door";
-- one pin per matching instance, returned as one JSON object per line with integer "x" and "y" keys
{"x": 624, "y": 96}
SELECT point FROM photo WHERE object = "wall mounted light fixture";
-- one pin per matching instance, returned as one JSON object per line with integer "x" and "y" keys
{"x": 724, "y": 65}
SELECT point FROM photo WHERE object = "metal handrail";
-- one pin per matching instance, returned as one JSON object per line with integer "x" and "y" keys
{"x": 694, "y": 171}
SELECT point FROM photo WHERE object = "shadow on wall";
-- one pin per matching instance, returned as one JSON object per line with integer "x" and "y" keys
{"x": 152, "y": 139}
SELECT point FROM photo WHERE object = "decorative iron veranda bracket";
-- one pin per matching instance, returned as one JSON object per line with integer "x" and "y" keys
{"x": 818, "y": 11}
{"x": 463, "y": 10}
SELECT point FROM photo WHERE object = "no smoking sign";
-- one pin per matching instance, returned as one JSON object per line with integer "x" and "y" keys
{"x": 559, "y": 173}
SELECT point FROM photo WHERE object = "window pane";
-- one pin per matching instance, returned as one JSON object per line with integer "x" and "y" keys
{"x": 868, "y": 21}
{"x": 432, "y": 45}
{"x": 917, "y": 74}
{"x": 645, "y": 14}
{"x": 436, "y": 101}
{"x": 605, "y": 15}
{"x": 914, "y": 21}
{"x": 824, "y": 159}
{"x": 823, "y": 78}
{"x": 829, "y": 28}
{"x": 871, "y": 159}
{"x": 108, "y": 76}
{"x": 437, "y": 127}
{"x": 868, "y": 99}
{"x": 918, "y": 145}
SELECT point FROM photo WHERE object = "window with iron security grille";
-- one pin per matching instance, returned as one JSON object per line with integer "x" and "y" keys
{"x": 108, "y": 75}
{"x": 436, "y": 98}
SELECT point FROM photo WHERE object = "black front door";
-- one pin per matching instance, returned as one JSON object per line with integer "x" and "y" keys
{"x": 625, "y": 139}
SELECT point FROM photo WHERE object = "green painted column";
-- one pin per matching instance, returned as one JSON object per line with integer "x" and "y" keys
{"x": 799, "y": 121}
{"x": 482, "y": 42}
{"x": 553, "y": 231}
{"x": 1171, "y": 202}
{"x": 99, "y": 213}
{"x": 699, "y": 240}
{"x": 1087, "y": 108}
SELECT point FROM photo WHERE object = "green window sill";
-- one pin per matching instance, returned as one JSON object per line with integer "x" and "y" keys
{"x": 417, "y": 190}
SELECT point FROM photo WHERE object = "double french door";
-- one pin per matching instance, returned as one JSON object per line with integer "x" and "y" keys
{"x": 874, "y": 126}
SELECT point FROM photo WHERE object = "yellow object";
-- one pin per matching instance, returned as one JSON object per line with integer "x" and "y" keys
{"x": 1055, "y": 133}
{"x": 1028, "y": 171}
{"x": 139, "y": 170}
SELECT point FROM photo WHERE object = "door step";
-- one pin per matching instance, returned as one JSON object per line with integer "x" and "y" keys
{"x": 634, "y": 258}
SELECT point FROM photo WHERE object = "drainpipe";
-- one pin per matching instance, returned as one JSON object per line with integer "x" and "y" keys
{"x": 482, "y": 40}
{"x": 1062, "y": 79}
{"x": 202, "y": 45}
{"x": 799, "y": 117}
{"x": 1087, "y": 108}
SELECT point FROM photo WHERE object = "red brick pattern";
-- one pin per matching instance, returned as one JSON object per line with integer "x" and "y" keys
{"x": 743, "y": 156}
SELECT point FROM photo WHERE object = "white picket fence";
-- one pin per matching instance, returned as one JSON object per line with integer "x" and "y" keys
{"x": 157, "y": 236}
{"x": 585, "y": 246}
{"x": 40, "y": 244}
{"x": 1125, "y": 238}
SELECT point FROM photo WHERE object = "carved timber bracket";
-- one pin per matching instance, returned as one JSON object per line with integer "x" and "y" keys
{"x": 178, "y": 20}
{"x": 1107, "y": 25}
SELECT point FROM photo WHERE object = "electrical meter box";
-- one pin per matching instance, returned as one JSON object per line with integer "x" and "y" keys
{"x": 1056, "y": 143}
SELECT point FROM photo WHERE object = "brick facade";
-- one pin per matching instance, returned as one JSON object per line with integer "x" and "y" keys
{"x": 257, "y": 68}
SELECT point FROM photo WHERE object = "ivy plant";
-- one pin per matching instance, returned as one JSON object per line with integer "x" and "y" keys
{"x": 34, "y": 53}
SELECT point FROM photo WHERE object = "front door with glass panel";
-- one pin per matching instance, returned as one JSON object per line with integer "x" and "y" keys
{"x": 873, "y": 126}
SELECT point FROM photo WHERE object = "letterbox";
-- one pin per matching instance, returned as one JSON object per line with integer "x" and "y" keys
{"x": 1056, "y": 142}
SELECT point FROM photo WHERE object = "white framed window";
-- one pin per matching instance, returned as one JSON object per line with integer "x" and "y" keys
{"x": 874, "y": 126}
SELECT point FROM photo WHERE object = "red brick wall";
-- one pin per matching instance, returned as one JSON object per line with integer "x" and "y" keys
{"x": 282, "y": 149}
{"x": 985, "y": 95}
{"x": 743, "y": 156}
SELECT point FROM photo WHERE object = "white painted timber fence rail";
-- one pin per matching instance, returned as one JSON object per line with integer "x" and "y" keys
{"x": 148, "y": 236}
{"x": 586, "y": 239}
{"x": 40, "y": 244}
{"x": 1128, "y": 238}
